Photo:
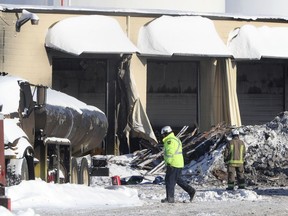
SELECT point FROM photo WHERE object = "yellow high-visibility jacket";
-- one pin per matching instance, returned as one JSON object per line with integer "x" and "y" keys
{"x": 173, "y": 151}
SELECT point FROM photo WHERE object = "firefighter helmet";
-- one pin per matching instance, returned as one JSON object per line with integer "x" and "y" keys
{"x": 235, "y": 132}
{"x": 166, "y": 130}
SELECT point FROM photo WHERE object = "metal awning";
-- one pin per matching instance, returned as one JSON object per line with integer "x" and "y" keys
{"x": 181, "y": 36}
{"x": 250, "y": 42}
{"x": 89, "y": 34}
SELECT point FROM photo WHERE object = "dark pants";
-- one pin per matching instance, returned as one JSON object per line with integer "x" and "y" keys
{"x": 236, "y": 171}
{"x": 173, "y": 176}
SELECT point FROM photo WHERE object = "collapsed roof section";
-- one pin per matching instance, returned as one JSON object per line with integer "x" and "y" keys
{"x": 250, "y": 42}
{"x": 181, "y": 35}
{"x": 89, "y": 34}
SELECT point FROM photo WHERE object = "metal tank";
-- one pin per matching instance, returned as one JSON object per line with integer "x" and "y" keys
{"x": 84, "y": 127}
{"x": 85, "y": 130}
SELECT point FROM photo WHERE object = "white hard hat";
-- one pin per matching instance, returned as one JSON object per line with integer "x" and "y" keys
{"x": 235, "y": 132}
{"x": 166, "y": 130}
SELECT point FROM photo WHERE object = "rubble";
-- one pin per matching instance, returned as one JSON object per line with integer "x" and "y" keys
{"x": 267, "y": 154}
{"x": 266, "y": 161}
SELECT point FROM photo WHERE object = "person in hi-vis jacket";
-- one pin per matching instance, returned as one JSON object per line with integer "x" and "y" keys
{"x": 234, "y": 155}
{"x": 174, "y": 162}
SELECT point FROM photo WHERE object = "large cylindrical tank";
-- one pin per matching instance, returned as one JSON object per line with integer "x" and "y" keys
{"x": 85, "y": 128}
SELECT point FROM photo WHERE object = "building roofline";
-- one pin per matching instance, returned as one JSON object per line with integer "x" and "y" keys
{"x": 136, "y": 12}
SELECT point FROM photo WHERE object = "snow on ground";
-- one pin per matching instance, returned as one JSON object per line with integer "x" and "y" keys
{"x": 33, "y": 198}
{"x": 38, "y": 194}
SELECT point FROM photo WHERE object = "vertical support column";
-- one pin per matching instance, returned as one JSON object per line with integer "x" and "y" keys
{"x": 285, "y": 88}
{"x": 69, "y": 149}
{"x": 58, "y": 162}
{"x": 2, "y": 156}
{"x": 4, "y": 201}
{"x": 43, "y": 161}
{"x": 111, "y": 108}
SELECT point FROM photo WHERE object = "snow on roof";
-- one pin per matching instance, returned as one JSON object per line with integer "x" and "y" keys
{"x": 10, "y": 100}
{"x": 182, "y": 35}
{"x": 250, "y": 42}
{"x": 89, "y": 34}
{"x": 9, "y": 89}
{"x": 228, "y": 14}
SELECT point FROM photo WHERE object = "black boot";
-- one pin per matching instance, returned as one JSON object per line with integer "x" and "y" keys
{"x": 170, "y": 200}
{"x": 164, "y": 200}
{"x": 191, "y": 193}
{"x": 186, "y": 187}
{"x": 230, "y": 186}
{"x": 241, "y": 184}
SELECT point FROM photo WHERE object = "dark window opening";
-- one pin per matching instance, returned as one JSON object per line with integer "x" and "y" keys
{"x": 84, "y": 79}
{"x": 260, "y": 89}
{"x": 172, "y": 93}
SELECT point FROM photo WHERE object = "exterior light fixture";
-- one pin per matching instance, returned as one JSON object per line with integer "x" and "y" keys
{"x": 25, "y": 17}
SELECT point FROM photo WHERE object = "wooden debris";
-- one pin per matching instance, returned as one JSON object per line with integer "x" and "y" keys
{"x": 194, "y": 146}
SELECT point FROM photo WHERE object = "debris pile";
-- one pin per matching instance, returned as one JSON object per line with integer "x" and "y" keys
{"x": 266, "y": 161}
{"x": 267, "y": 154}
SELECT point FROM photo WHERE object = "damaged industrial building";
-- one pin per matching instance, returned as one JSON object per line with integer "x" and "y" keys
{"x": 146, "y": 69}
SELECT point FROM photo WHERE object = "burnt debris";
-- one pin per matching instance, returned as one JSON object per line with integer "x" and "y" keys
{"x": 266, "y": 161}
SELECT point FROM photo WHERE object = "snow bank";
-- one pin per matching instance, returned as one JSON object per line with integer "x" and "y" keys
{"x": 38, "y": 194}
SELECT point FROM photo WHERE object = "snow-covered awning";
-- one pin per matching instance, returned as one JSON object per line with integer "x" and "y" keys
{"x": 89, "y": 34}
{"x": 181, "y": 35}
{"x": 250, "y": 42}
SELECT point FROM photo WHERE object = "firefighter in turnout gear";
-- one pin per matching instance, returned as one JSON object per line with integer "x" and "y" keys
{"x": 174, "y": 162}
{"x": 234, "y": 155}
